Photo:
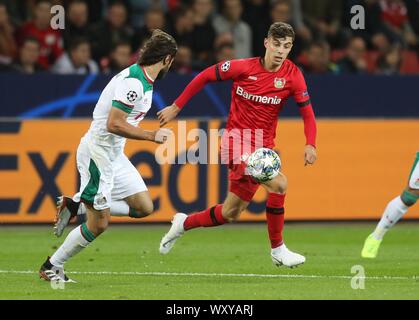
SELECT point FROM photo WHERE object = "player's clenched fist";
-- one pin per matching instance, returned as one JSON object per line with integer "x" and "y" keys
{"x": 310, "y": 154}
{"x": 168, "y": 114}
{"x": 162, "y": 135}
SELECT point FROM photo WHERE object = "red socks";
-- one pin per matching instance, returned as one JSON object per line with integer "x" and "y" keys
{"x": 275, "y": 218}
{"x": 210, "y": 217}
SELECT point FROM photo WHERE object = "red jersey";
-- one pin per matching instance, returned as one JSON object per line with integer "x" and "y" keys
{"x": 50, "y": 40}
{"x": 257, "y": 97}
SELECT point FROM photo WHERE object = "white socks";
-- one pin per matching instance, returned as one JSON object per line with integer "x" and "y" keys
{"x": 78, "y": 239}
{"x": 118, "y": 209}
{"x": 393, "y": 212}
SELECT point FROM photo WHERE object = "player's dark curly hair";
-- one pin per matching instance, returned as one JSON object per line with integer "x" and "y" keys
{"x": 279, "y": 30}
{"x": 155, "y": 49}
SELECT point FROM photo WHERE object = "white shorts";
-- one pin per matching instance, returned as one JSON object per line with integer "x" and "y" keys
{"x": 106, "y": 175}
{"x": 414, "y": 174}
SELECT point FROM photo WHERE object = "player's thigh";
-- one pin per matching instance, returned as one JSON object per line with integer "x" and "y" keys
{"x": 233, "y": 206}
{"x": 141, "y": 202}
{"x": 278, "y": 184}
{"x": 96, "y": 176}
{"x": 127, "y": 181}
{"x": 97, "y": 220}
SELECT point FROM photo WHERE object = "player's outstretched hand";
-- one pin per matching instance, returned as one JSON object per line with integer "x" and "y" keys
{"x": 310, "y": 154}
{"x": 162, "y": 135}
{"x": 167, "y": 114}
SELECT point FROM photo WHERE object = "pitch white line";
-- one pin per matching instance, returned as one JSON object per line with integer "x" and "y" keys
{"x": 193, "y": 274}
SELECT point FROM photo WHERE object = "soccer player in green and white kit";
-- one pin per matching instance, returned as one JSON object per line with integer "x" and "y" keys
{"x": 394, "y": 211}
{"x": 110, "y": 184}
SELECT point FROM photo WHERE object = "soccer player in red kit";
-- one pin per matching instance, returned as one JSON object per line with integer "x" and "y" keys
{"x": 260, "y": 88}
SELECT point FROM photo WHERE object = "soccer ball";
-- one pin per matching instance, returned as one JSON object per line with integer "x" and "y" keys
{"x": 263, "y": 165}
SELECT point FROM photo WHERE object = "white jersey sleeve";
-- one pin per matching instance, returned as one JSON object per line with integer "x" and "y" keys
{"x": 128, "y": 94}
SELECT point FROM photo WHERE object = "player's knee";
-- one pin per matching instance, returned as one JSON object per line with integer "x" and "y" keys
{"x": 279, "y": 185}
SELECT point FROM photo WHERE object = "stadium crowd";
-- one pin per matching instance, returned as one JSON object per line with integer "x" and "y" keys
{"x": 105, "y": 36}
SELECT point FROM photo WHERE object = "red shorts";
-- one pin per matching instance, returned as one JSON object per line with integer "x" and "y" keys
{"x": 241, "y": 184}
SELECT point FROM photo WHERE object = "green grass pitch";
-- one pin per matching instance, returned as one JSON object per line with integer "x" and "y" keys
{"x": 229, "y": 262}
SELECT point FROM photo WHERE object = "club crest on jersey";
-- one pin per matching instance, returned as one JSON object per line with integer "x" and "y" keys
{"x": 279, "y": 83}
{"x": 225, "y": 66}
{"x": 132, "y": 96}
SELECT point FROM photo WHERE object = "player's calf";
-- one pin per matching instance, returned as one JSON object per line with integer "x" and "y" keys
{"x": 140, "y": 205}
{"x": 97, "y": 221}
{"x": 231, "y": 214}
{"x": 141, "y": 211}
{"x": 232, "y": 207}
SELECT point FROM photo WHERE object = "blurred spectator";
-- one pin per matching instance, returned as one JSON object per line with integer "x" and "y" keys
{"x": 183, "y": 60}
{"x": 413, "y": 13}
{"x": 77, "y": 21}
{"x": 297, "y": 21}
{"x": 225, "y": 51}
{"x": 139, "y": 9}
{"x": 255, "y": 14}
{"x": 8, "y": 48}
{"x": 355, "y": 60}
{"x": 396, "y": 24}
{"x": 119, "y": 59}
{"x": 106, "y": 34}
{"x": 20, "y": 11}
{"x": 390, "y": 62}
{"x": 203, "y": 33}
{"x": 29, "y": 52}
{"x": 323, "y": 18}
{"x": 77, "y": 60}
{"x": 225, "y": 37}
{"x": 281, "y": 11}
{"x": 183, "y": 25}
{"x": 289, "y": 11}
{"x": 96, "y": 9}
{"x": 49, "y": 39}
{"x": 318, "y": 59}
{"x": 154, "y": 19}
{"x": 230, "y": 21}
{"x": 380, "y": 42}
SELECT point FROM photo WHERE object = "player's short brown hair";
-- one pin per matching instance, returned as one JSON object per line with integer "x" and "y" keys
{"x": 159, "y": 46}
{"x": 280, "y": 30}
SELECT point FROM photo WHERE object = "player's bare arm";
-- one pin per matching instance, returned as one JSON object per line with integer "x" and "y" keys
{"x": 210, "y": 74}
{"x": 168, "y": 114}
{"x": 117, "y": 124}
